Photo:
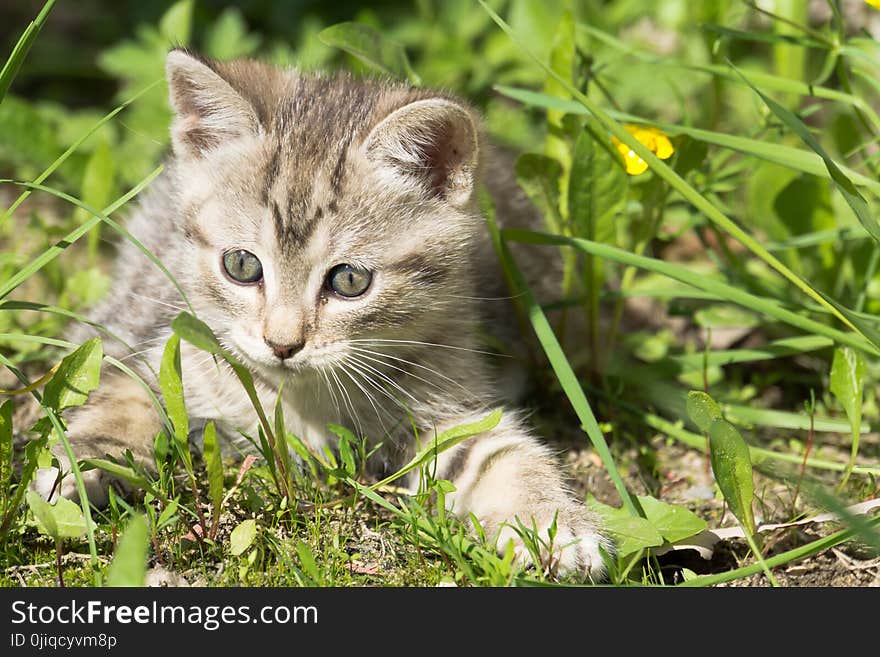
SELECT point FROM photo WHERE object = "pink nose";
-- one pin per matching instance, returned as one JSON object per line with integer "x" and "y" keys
{"x": 284, "y": 351}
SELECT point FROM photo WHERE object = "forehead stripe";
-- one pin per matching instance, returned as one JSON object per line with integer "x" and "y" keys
{"x": 294, "y": 230}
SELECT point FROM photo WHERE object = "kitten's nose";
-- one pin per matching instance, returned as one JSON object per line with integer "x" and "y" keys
{"x": 284, "y": 351}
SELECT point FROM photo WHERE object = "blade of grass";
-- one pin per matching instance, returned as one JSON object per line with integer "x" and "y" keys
{"x": 73, "y": 147}
{"x": 758, "y": 454}
{"x": 22, "y": 46}
{"x": 674, "y": 180}
{"x": 801, "y": 552}
{"x": 53, "y": 252}
{"x": 769, "y": 351}
{"x": 786, "y": 156}
{"x": 736, "y": 295}
{"x": 100, "y": 216}
{"x": 844, "y": 185}
{"x": 74, "y": 467}
{"x": 767, "y": 80}
{"x": 567, "y": 378}
{"x": 122, "y": 367}
{"x": 63, "y": 312}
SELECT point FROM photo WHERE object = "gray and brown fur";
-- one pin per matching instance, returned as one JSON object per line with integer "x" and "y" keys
{"x": 308, "y": 172}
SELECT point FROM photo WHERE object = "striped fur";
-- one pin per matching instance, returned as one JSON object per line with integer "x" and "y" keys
{"x": 308, "y": 172}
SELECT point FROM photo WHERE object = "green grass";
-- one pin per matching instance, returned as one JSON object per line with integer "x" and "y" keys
{"x": 754, "y": 248}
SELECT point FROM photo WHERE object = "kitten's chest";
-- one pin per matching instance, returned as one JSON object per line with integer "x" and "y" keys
{"x": 214, "y": 392}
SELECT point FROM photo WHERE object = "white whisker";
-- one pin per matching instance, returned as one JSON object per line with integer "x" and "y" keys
{"x": 346, "y": 400}
{"x": 380, "y": 341}
{"x": 385, "y": 377}
{"x": 332, "y": 392}
{"x": 364, "y": 353}
{"x": 158, "y": 301}
{"x": 345, "y": 368}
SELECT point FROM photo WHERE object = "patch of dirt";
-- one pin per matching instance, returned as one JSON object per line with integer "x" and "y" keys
{"x": 681, "y": 475}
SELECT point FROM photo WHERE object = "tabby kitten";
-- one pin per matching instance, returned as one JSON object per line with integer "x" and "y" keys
{"x": 326, "y": 229}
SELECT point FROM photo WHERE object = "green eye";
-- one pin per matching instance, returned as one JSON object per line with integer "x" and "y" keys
{"x": 348, "y": 280}
{"x": 242, "y": 266}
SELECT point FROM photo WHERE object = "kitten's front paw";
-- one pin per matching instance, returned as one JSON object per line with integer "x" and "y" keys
{"x": 45, "y": 482}
{"x": 576, "y": 548}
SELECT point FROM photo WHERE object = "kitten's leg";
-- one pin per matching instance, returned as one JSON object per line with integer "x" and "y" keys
{"x": 119, "y": 415}
{"x": 507, "y": 474}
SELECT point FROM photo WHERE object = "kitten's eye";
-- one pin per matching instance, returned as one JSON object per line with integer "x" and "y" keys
{"x": 348, "y": 280}
{"x": 242, "y": 266}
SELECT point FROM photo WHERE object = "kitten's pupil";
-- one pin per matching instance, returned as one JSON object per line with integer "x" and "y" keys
{"x": 242, "y": 266}
{"x": 348, "y": 280}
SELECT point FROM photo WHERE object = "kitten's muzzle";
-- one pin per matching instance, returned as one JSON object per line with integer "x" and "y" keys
{"x": 284, "y": 351}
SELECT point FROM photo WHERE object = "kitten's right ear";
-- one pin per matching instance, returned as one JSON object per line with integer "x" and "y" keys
{"x": 209, "y": 112}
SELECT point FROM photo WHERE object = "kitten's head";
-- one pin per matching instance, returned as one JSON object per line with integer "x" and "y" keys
{"x": 317, "y": 211}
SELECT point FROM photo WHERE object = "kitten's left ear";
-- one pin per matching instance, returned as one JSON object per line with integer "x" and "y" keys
{"x": 209, "y": 111}
{"x": 433, "y": 143}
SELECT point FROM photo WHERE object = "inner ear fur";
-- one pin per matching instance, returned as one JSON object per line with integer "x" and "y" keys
{"x": 208, "y": 110}
{"x": 434, "y": 142}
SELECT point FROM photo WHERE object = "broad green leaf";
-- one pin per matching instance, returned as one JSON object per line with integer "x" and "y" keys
{"x": 129, "y": 566}
{"x": 167, "y": 515}
{"x": 171, "y": 385}
{"x": 42, "y": 511}
{"x": 631, "y": 533}
{"x": 242, "y": 537}
{"x": 342, "y": 432}
{"x": 371, "y": 47}
{"x": 346, "y": 456}
{"x": 307, "y": 561}
{"x": 78, "y": 375}
{"x": 673, "y": 522}
{"x": 175, "y": 25}
{"x": 596, "y": 190}
{"x": 196, "y": 332}
{"x": 6, "y": 449}
{"x": 346, "y": 440}
{"x": 702, "y": 409}
{"x": 674, "y": 430}
{"x": 297, "y": 445}
{"x": 444, "y": 486}
{"x": 729, "y": 455}
{"x": 228, "y": 38}
{"x": 847, "y": 385}
{"x": 214, "y": 466}
{"x": 539, "y": 176}
{"x": 63, "y": 519}
{"x": 562, "y": 60}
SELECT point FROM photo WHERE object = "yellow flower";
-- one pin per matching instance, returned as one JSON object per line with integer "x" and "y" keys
{"x": 657, "y": 142}
{"x": 874, "y": 3}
